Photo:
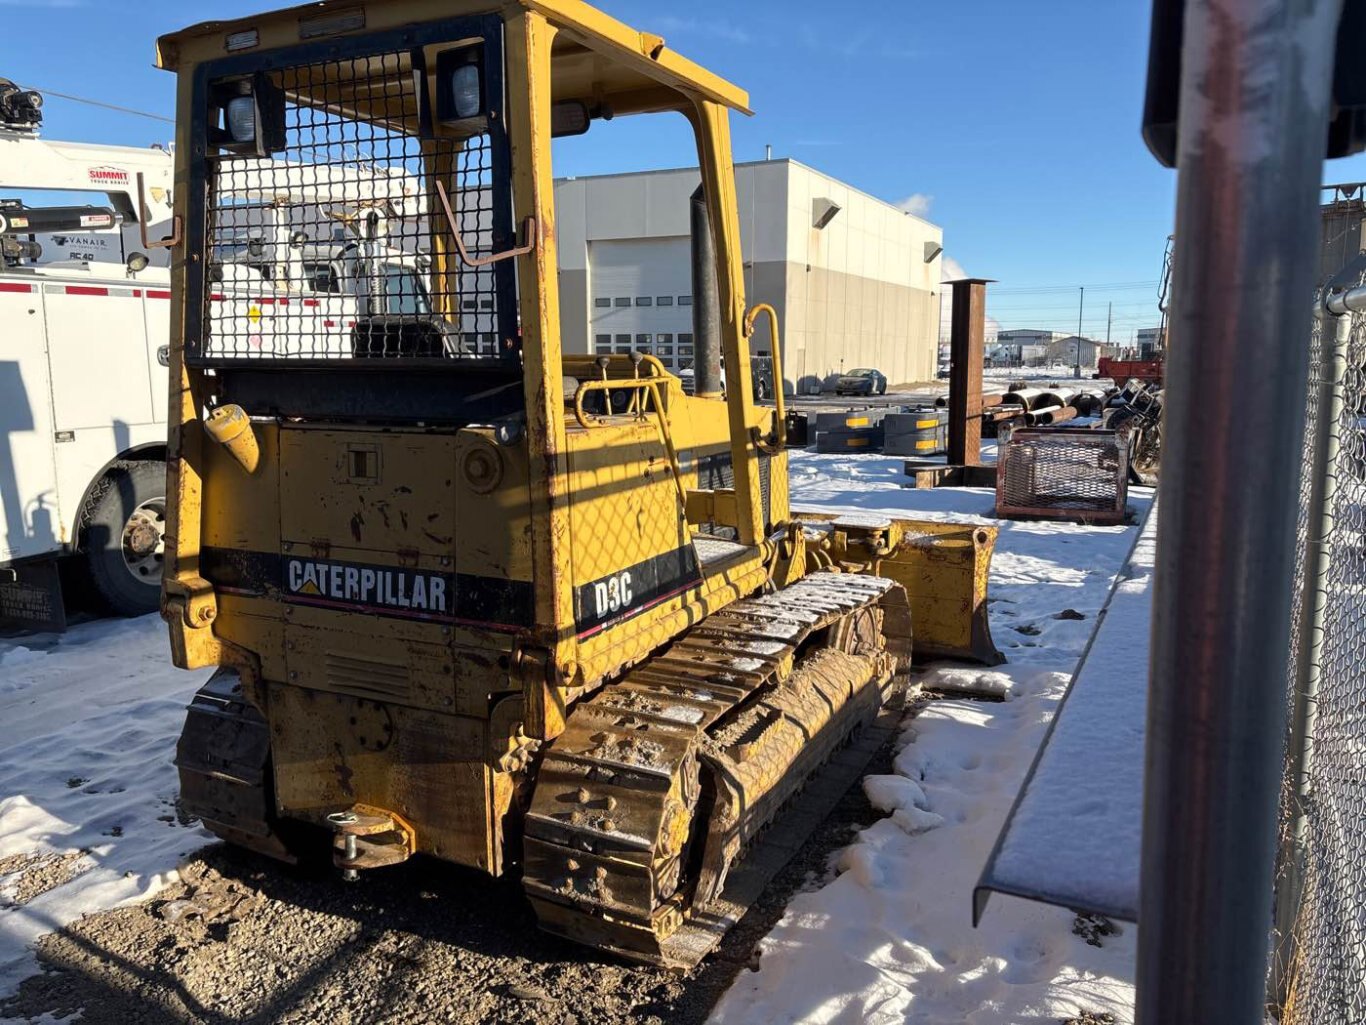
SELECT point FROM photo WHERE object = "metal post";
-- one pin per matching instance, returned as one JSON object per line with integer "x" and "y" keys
{"x": 1081, "y": 305}
{"x": 1250, "y": 157}
{"x": 1309, "y": 645}
{"x": 967, "y": 352}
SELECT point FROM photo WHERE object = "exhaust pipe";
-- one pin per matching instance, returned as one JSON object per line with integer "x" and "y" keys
{"x": 706, "y": 301}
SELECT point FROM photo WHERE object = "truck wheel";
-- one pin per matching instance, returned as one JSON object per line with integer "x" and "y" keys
{"x": 123, "y": 528}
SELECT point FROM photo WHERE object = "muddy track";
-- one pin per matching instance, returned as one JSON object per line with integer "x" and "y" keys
{"x": 244, "y": 940}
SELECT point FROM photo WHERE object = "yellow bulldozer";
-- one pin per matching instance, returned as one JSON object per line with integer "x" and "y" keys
{"x": 471, "y": 596}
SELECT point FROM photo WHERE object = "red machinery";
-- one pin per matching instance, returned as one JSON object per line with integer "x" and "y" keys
{"x": 1149, "y": 371}
{"x": 1148, "y": 368}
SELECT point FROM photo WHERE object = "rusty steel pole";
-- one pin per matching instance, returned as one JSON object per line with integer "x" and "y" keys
{"x": 1255, "y": 79}
{"x": 967, "y": 353}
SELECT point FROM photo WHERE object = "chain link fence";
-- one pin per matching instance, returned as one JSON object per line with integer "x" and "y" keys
{"x": 1325, "y": 979}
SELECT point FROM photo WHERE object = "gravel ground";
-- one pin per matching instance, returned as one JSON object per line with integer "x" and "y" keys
{"x": 242, "y": 940}
{"x": 35, "y": 874}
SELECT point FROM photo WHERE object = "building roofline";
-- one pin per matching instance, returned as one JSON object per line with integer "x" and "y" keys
{"x": 665, "y": 170}
{"x": 755, "y": 163}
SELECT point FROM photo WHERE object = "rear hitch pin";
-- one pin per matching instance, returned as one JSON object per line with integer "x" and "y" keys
{"x": 345, "y": 818}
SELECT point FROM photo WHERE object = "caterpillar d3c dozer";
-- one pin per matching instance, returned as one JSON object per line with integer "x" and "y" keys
{"x": 471, "y": 596}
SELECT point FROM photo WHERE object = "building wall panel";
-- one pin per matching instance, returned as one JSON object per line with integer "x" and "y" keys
{"x": 857, "y": 292}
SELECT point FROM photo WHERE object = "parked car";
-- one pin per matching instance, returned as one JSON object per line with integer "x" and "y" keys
{"x": 864, "y": 381}
{"x": 761, "y": 375}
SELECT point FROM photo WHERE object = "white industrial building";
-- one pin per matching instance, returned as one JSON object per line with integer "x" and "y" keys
{"x": 855, "y": 281}
{"x": 1070, "y": 349}
{"x": 1016, "y": 337}
{"x": 1019, "y": 346}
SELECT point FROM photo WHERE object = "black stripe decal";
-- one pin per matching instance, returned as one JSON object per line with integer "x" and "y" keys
{"x": 617, "y": 597}
{"x": 393, "y": 591}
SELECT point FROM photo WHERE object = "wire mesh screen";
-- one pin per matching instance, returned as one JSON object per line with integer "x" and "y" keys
{"x": 1065, "y": 474}
{"x": 1327, "y": 977}
{"x": 338, "y": 244}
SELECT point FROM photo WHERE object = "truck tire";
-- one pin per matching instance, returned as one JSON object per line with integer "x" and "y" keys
{"x": 123, "y": 526}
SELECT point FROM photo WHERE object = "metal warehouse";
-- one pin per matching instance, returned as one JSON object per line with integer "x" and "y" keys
{"x": 855, "y": 280}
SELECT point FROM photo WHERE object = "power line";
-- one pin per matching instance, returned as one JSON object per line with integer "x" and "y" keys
{"x": 1045, "y": 307}
{"x": 101, "y": 103}
{"x": 1113, "y": 286}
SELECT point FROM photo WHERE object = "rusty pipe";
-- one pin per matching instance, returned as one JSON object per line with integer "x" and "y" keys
{"x": 987, "y": 400}
{"x": 1034, "y": 398}
{"x": 999, "y": 413}
{"x": 1086, "y": 402}
{"x": 1042, "y": 410}
{"x": 1052, "y": 415}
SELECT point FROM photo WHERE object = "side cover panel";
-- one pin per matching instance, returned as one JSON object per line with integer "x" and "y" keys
{"x": 633, "y": 558}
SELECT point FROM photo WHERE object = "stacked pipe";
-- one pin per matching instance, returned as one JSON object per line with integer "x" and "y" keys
{"x": 1018, "y": 406}
{"x": 1036, "y": 407}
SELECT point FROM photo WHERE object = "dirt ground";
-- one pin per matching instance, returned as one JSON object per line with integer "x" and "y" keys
{"x": 242, "y": 940}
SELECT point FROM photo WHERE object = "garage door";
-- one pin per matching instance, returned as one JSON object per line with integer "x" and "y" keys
{"x": 640, "y": 297}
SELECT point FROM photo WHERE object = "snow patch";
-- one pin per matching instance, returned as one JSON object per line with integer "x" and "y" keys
{"x": 91, "y": 722}
{"x": 890, "y": 940}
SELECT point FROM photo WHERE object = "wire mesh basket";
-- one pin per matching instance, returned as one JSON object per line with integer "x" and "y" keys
{"x": 1063, "y": 473}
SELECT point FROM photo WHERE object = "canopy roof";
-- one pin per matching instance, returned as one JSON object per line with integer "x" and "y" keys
{"x": 595, "y": 58}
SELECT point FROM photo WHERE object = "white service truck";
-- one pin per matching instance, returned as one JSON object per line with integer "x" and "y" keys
{"x": 85, "y": 320}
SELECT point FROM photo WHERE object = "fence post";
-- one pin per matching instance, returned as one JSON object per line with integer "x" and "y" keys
{"x": 1254, "y": 101}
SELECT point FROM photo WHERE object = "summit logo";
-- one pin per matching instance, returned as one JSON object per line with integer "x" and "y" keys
{"x": 108, "y": 176}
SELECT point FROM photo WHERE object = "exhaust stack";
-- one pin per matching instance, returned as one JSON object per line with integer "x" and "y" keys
{"x": 706, "y": 302}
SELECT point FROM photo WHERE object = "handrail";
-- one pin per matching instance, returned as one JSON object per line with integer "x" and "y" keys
{"x": 528, "y": 228}
{"x": 638, "y": 359}
{"x": 171, "y": 240}
{"x": 779, "y": 400}
{"x": 639, "y": 385}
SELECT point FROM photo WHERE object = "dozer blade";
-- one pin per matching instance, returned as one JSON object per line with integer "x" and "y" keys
{"x": 942, "y": 566}
{"x": 723, "y": 751}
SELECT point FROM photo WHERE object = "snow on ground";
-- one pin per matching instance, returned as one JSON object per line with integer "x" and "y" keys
{"x": 1101, "y": 809}
{"x": 87, "y": 788}
{"x": 889, "y": 939}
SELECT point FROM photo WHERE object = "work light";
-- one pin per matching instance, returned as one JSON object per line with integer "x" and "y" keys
{"x": 462, "y": 101}
{"x": 465, "y": 92}
{"x": 247, "y": 116}
{"x": 242, "y": 119}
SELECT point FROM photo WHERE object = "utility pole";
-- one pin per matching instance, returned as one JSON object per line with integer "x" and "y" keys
{"x": 1109, "y": 323}
{"x": 1081, "y": 305}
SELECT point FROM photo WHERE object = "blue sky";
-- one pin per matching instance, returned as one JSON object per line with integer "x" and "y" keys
{"x": 1013, "y": 125}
